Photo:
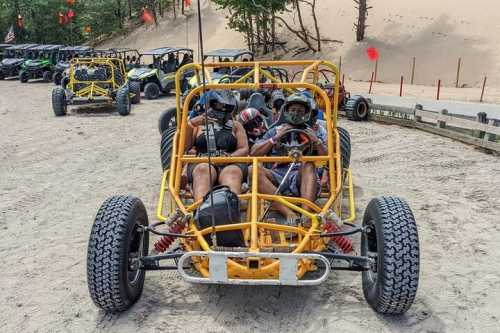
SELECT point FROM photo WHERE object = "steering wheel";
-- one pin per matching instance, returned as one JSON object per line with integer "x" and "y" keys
{"x": 295, "y": 140}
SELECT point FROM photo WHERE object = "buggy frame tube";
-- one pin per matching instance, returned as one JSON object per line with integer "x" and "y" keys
{"x": 333, "y": 158}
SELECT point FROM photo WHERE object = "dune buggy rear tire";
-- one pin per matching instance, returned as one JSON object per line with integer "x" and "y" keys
{"x": 23, "y": 77}
{"x": 167, "y": 119}
{"x": 2, "y": 75}
{"x": 357, "y": 108}
{"x": 114, "y": 284}
{"x": 167, "y": 143}
{"x": 47, "y": 76}
{"x": 345, "y": 147}
{"x": 391, "y": 283}
{"x": 123, "y": 101}
{"x": 152, "y": 90}
{"x": 57, "y": 78}
{"x": 59, "y": 102}
{"x": 135, "y": 88}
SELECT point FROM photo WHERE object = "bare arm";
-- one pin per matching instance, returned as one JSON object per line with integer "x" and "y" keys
{"x": 262, "y": 148}
{"x": 241, "y": 136}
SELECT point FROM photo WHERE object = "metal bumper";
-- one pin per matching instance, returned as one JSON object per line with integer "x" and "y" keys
{"x": 288, "y": 263}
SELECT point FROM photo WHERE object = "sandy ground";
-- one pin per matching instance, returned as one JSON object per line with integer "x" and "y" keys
{"x": 55, "y": 173}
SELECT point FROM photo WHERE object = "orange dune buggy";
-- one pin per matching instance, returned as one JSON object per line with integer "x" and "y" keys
{"x": 271, "y": 253}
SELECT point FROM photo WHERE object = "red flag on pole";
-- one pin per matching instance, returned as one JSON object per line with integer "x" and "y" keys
{"x": 147, "y": 17}
{"x": 63, "y": 19}
{"x": 372, "y": 53}
{"x": 187, "y": 3}
{"x": 70, "y": 2}
{"x": 70, "y": 14}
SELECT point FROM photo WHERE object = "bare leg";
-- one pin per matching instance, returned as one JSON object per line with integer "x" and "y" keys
{"x": 308, "y": 186}
{"x": 266, "y": 186}
{"x": 201, "y": 180}
{"x": 231, "y": 176}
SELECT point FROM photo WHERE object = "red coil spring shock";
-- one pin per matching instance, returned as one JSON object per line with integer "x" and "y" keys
{"x": 343, "y": 242}
{"x": 164, "y": 242}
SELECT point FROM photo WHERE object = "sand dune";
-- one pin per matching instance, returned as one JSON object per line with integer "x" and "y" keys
{"x": 437, "y": 33}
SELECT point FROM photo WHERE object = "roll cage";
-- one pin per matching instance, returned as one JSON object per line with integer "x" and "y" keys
{"x": 255, "y": 230}
{"x": 102, "y": 84}
{"x": 161, "y": 61}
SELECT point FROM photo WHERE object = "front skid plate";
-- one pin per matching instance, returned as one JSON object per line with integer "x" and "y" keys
{"x": 287, "y": 263}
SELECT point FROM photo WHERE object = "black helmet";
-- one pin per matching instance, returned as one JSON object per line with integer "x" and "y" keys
{"x": 222, "y": 100}
{"x": 294, "y": 118}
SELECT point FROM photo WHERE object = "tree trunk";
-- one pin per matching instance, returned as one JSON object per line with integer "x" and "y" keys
{"x": 252, "y": 40}
{"x": 313, "y": 10}
{"x": 247, "y": 28}
{"x": 273, "y": 33}
{"x": 257, "y": 24}
{"x": 304, "y": 31}
{"x": 264, "y": 32}
{"x": 174, "y": 3}
{"x": 362, "y": 14}
{"x": 129, "y": 9}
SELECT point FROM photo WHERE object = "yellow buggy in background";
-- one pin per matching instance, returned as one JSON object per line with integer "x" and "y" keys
{"x": 272, "y": 253}
{"x": 96, "y": 81}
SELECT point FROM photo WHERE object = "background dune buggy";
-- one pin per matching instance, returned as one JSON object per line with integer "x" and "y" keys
{"x": 64, "y": 56}
{"x": 95, "y": 80}
{"x": 300, "y": 255}
{"x": 41, "y": 64}
{"x": 13, "y": 59}
{"x": 156, "y": 71}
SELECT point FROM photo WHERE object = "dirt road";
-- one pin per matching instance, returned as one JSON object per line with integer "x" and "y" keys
{"x": 55, "y": 173}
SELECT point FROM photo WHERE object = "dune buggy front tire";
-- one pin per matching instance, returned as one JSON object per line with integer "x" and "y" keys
{"x": 391, "y": 240}
{"x": 116, "y": 243}
{"x": 23, "y": 76}
{"x": 167, "y": 119}
{"x": 135, "y": 88}
{"x": 357, "y": 108}
{"x": 59, "y": 102}
{"x": 152, "y": 90}
{"x": 123, "y": 101}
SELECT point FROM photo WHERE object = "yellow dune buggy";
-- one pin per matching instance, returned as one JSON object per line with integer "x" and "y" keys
{"x": 263, "y": 250}
{"x": 96, "y": 81}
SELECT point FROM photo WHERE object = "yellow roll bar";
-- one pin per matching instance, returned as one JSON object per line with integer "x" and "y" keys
{"x": 171, "y": 180}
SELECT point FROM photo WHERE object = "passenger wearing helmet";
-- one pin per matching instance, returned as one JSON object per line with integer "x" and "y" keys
{"x": 277, "y": 101}
{"x": 222, "y": 137}
{"x": 254, "y": 124}
{"x": 303, "y": 179}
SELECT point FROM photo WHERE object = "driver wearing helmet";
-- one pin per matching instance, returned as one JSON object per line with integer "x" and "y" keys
{"x": 222, "y": 137}
{"x": 254, "y": 123}
{"x": 302, "y": 180}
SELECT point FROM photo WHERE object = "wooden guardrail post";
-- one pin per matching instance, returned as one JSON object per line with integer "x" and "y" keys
{"x": 413, "y": 71}
{"x": 489, "y": 136}
{"x": 371, "y": 83}
{"x": 442, "y": 123}
{"x": 418, "y": 118}
{"x": 458, "y": 72}
{"x": 439, "y": 89}
{"x": 482, "y": 118}
{"x": 482, "y": 90}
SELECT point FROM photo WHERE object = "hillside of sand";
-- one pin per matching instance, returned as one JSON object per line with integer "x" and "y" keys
{"x": 436, "y": 33}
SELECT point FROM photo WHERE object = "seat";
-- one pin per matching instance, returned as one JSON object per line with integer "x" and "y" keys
{"x": 258, "y": 101}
